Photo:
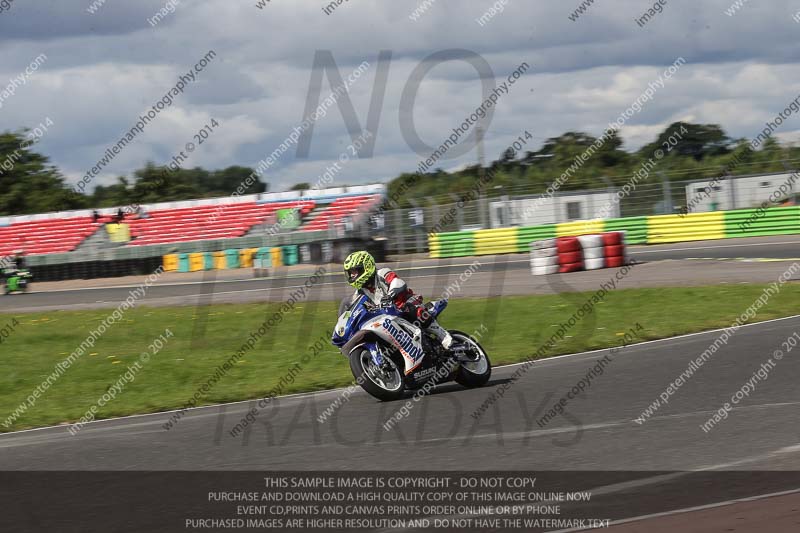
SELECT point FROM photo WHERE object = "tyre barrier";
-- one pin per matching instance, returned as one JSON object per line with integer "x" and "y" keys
{"x": 568, "y": 244}
{"x": 544, "y": 257}
{"x": 572, "y": 254}
{"x": 614, "y": 249}
{"x": 593, "y": 251}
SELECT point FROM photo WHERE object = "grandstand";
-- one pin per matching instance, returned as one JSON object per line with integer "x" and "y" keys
{"x": 339, "y": 210}
{"x": 49, "y": 236}
{"x": 195, "y": 220}
{"x": 224, "y": 221}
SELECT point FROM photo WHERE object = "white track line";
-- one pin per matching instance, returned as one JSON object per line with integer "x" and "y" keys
{"x": 689, "y": 509}
{"x": 291, "y": 276}
{"x": 634, "y": 250}
{"x": 685, "y": 335}
{"x": 712, "y": 247}
{"x": 654, "y": 480}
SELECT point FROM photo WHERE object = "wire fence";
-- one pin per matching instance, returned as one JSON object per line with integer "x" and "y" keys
{"x": 406, "y": 230}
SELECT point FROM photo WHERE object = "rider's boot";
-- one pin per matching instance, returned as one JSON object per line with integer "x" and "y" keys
{"x": 442, "y": 335}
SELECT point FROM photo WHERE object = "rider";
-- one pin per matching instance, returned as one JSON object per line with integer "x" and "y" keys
{"x": 13, "y": 264}
{"x": 19, "y": 260}
{"x": 383, "y": 287}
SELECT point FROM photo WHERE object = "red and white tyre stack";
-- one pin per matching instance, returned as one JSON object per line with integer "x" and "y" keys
{"x": 570, "y": 254}
{"x": 544, "y": 257}
{"x": 585, "y": 252}
{"x": 614, "y": 249}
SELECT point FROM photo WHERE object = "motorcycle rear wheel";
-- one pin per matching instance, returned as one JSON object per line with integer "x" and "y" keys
{"x": 473, "y": 374}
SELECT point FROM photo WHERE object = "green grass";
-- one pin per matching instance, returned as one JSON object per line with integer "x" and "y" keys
{"x": 516, "y": 326}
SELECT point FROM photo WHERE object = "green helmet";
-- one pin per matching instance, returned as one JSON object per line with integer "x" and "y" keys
{"x": 358, "y": 268}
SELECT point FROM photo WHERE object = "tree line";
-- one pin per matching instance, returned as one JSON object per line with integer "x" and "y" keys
{"x": 30, "y": 184}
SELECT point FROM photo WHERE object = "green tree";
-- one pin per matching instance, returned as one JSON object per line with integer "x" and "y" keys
{"x": 698, "y": 141}
{"x": 28, "y": 183}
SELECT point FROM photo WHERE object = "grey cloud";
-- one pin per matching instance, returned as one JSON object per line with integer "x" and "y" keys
{"x": 105, "y": 69}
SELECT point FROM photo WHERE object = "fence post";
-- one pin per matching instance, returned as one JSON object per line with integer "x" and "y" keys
{"x": 556, "y": 208}
{"x": 667, "y": 188}
{"x": 482, "y": 210}
{"x": 398, "y": 230}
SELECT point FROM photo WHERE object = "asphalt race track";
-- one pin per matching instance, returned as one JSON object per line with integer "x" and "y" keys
{"x": 660, "y": 464}
{"x": 597, "y": 432}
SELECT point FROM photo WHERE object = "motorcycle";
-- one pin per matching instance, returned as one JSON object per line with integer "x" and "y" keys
{"x": 389, "y": 355}
{"x": 17, "y": 281}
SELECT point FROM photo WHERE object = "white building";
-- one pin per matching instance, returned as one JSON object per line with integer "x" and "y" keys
{"x": 740, "y": 193}
{"x": 538, "y": 210}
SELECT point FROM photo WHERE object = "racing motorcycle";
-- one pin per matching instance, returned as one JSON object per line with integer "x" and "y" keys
{"x": 17, "y": 281}
{"x": 389, "y": 355}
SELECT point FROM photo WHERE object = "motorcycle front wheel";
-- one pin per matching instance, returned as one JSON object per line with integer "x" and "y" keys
{"x": 384, "y": 383}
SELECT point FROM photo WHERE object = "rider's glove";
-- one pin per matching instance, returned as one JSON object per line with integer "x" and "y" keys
{"x": 387, "y": 302}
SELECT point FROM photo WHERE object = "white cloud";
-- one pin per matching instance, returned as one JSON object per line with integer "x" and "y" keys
{"x": 103, "y": 70}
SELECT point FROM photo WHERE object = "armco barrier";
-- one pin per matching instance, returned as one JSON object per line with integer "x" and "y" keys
{"x": 761, "y": 222}
{"x": 526, "y": 235}
{"x": 579, "y": 227}
{"x": 456, "y": 244}
{"x": 496, "y": 241}
{"x": 691, "y": 227}
{"x": 635, "y": 228}
{"x": 638, "y": 230}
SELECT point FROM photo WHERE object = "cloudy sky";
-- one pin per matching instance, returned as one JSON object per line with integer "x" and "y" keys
{"x": 104, "y": 69}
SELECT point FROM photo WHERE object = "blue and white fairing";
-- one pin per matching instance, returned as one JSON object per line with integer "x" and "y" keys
{"x": 387, "y": 325}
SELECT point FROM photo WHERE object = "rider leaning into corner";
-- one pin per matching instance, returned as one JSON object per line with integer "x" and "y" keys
{"x": 385, "y": 289}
